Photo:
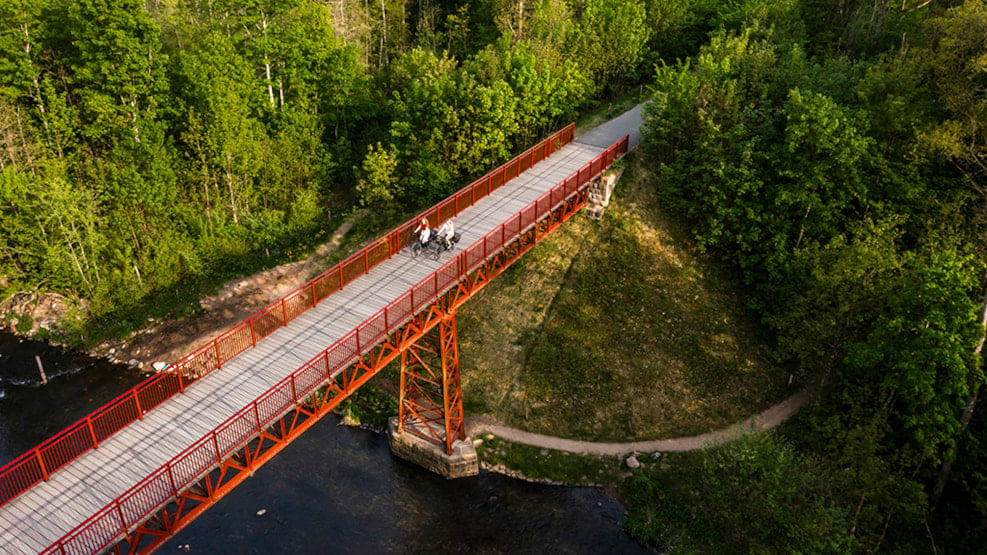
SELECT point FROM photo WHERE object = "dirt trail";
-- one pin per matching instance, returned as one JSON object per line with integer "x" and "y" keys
{"x": 476, "y": 425}
{"x": 238, "y": 300}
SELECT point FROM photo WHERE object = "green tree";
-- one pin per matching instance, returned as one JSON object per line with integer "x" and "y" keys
{"x": 753, "y": 494}
{"x": 612, "y": 36}
{"x": 379, "y": 185}
{"x": 921, "y": 351}
{"x": 228, "y": 138}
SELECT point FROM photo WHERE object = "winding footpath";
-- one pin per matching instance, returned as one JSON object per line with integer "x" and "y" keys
{"x": 477, "y": 425}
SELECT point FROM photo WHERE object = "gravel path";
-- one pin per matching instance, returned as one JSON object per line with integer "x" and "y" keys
{"x": 477, "y": 425}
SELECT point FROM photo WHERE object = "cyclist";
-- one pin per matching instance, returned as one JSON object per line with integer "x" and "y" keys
{"x": 446, "y": 232}
{"x": 423, "y": 230}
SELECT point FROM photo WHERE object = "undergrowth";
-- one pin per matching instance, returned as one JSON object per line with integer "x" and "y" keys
{"x": 557, "y": 466}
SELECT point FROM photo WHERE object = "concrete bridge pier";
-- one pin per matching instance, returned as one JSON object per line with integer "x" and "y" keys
{"x": 430, "y": 429}
{"x": 416, "y": 449}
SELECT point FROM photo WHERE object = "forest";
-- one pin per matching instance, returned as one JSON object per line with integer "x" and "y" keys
{"x": 832, "y": 154}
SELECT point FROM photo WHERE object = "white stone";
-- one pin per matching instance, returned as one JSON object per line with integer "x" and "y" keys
{"x": 632, "y": 462}
{"x": 159, "y": 366}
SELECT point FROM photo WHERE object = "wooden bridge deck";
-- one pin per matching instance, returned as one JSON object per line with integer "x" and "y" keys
{"x": 49, "y": 510}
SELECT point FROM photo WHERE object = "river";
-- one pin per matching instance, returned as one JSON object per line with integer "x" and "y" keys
{"x": 333, "y": 490}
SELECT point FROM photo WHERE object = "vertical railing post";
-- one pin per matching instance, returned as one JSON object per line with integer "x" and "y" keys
{"x": 315, "y": 301}
{"x": 284, "y": 312}
{"x": 219, "y": 359}
{"x": 171, "y": 480}
{"x": 253, "y": 334}
{"x": 92, "y": 432}
{"x": 41, "y": 463}
{"x": 140, "y": 412}
{"x": 215, "y": 448}
{"x": 181, "y": 382}
{"x": 123, "y": 523}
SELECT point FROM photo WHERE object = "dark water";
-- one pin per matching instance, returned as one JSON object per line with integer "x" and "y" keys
{"x": 339, "y": 490}
{"x": 77, "y": 385}
{"x": 333, "y": 490}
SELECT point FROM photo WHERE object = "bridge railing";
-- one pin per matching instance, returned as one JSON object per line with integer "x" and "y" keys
{"x": 141, "y": 501}
{"x": 39, "y": 463}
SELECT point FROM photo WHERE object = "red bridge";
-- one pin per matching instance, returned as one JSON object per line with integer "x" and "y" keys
{"x": 133, "y": 473}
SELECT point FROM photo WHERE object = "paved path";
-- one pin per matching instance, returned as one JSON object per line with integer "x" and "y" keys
{"x": 477, "y": 425}
{"x": 605, "y": 134}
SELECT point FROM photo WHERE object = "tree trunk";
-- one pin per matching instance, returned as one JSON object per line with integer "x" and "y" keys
{"x": 971, "y": 404}
{"x": 520, "y": 20}
{"x": 229, "y": 183}
{"x": 382, "y": 58}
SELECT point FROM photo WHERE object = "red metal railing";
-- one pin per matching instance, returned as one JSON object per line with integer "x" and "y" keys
{"x": 62, "y": 448}
{"x": 110, "y": 524}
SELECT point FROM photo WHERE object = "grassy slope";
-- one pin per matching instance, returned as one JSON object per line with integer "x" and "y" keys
{"x": 615, "y": 331}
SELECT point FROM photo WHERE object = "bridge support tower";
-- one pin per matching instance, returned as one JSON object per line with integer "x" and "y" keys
{"x": 430, "y": 429}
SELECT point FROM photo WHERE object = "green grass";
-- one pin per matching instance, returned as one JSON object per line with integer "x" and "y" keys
{"x": 616, "y": 331}
{"x": 557, "y": 466}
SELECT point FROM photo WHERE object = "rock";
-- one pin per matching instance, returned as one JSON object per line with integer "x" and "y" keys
{"x": 543, "y": 452}
{"x": 261, "y": 512}
{"x": 632, "y": 462}
{"x": 159, "y": 366}
{"x": 349, "y": 419}
{"x": 135, "y": 363}
{"x": 477, "y": 442}
{"x": 488, "y": 437}
{"x": 656, "y": 455}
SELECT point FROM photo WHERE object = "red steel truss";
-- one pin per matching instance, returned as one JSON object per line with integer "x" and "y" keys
{"x": 431, "y": 403}
{"x": 142, "y": 519}
{"x": 62, "y": 448}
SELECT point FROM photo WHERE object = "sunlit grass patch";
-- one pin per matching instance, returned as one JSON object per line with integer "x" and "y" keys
{"x": 637, "y": 337}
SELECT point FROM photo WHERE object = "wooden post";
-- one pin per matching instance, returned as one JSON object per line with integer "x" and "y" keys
{"x": 41, "y": 369}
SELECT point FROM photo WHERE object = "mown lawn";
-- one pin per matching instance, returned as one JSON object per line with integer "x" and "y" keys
{"x": 616, "y": 331}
